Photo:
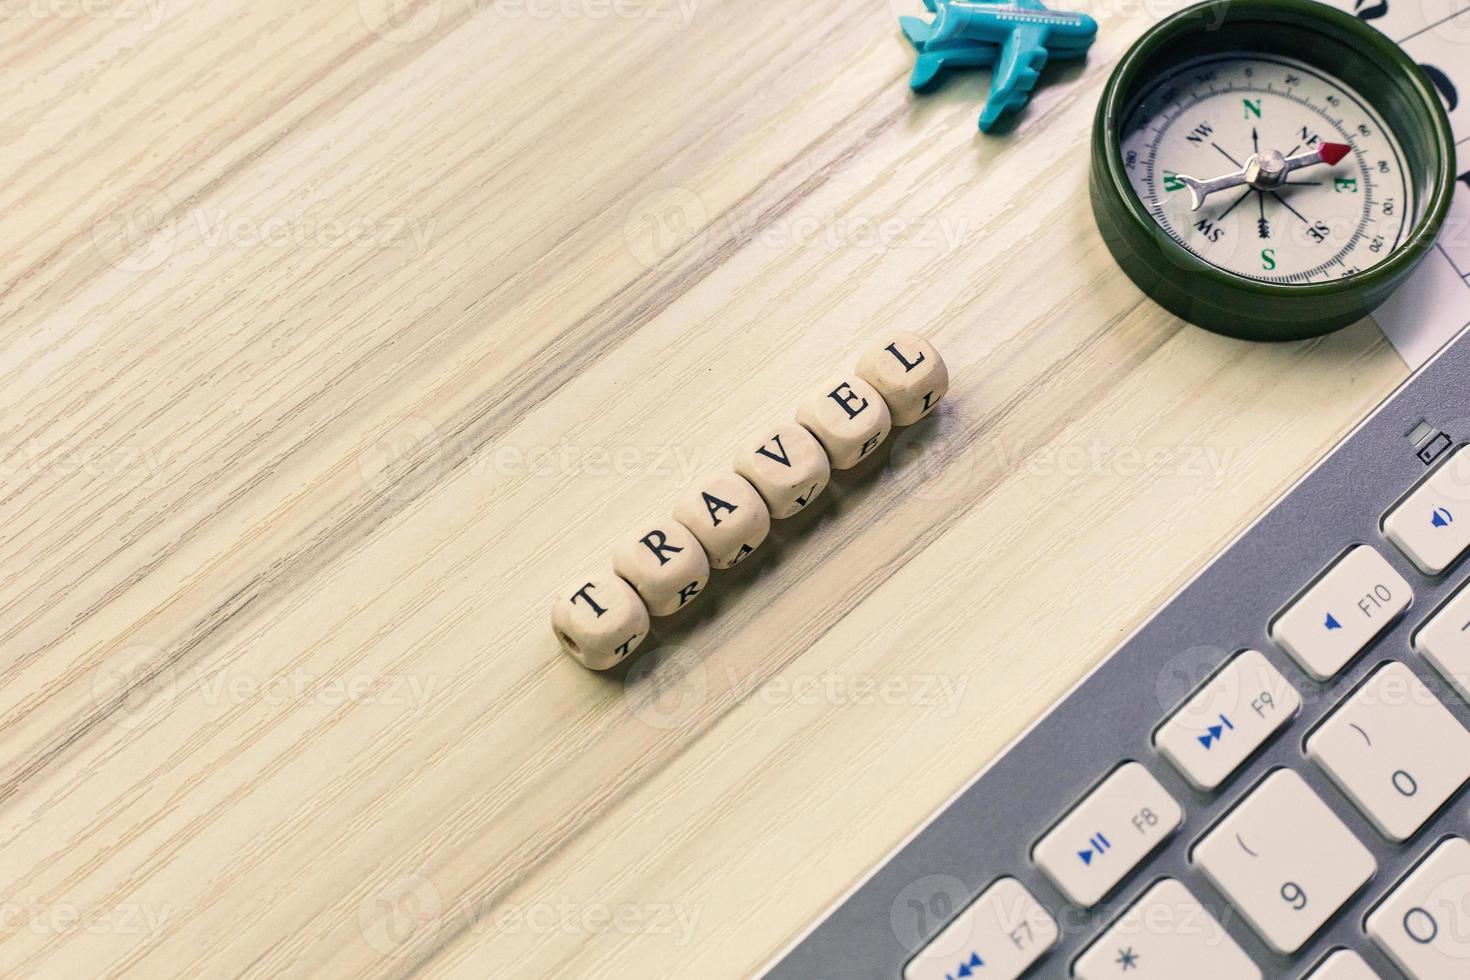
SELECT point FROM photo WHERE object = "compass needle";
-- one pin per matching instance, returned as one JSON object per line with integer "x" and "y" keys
{"x": 1262, "y": 171}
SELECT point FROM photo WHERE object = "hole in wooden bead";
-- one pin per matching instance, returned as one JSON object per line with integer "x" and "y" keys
{"x": 570, "y": 643}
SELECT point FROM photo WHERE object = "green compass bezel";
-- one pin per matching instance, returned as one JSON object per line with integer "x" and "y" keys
{"x": 1335, "y": 43}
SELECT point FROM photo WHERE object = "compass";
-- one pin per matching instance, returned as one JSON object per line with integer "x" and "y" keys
{"x": 1269, "y": 169}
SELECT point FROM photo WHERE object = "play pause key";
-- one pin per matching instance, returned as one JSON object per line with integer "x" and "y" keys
{"x": 1107, "y": 834}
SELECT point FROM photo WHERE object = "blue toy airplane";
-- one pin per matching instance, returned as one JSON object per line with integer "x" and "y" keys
{"x": 1016, "y": 36}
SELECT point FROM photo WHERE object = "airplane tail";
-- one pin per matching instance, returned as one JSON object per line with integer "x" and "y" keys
{"x": 916, "y": 30}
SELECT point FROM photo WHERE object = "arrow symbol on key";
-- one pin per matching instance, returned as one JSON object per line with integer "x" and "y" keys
{"x": 1214, "y": 733}
{"x": 1332, "y": 623}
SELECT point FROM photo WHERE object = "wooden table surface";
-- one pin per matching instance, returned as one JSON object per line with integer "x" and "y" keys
{"x": 338, "y": 337}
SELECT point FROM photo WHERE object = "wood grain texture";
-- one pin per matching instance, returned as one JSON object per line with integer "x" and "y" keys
{"x": 338, "y": 336}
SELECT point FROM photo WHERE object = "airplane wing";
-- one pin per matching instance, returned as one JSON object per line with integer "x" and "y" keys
{"x": 1022, "y": 56}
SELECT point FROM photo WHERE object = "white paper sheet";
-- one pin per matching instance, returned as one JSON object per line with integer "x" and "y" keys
{"x": 1434, "y": 304}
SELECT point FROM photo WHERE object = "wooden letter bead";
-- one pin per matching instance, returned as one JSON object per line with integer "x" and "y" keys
{"x": 726, "y": 515}
{"x": 788, "y": 468}
{"x": 848, "y": 417}
{"x": 908, "y": 372}
{"x": 665, "y": 564}
{"x": 600, "y": 620}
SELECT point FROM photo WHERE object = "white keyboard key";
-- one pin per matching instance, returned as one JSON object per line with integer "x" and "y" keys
{"x": 1394, "y": 750}
{"x": 1327, "y": 625}
{"x": 1445, "y": 642}
{"x": 1107, "y": 834}
{"x": 1424, "y": 924}
{"x": 1343, "y": 965}
{"x": 1004, "y": 931}
{"x": 1226, "y": 720}
{"x": 1284, "y": 860}
{"x": 1168, "y": 934}
{"x": 1432, "y": 524}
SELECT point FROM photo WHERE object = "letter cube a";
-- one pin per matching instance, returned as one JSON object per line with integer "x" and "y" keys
{"x": 726, "y": 515}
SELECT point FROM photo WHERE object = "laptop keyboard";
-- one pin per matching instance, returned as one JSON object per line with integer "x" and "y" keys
{"x": 1299, "y": 809}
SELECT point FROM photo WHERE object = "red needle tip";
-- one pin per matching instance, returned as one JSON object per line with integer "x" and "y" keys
{"x": 1333, "y": 152}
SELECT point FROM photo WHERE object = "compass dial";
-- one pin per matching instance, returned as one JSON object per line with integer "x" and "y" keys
{"x": 1229, "y": 121}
